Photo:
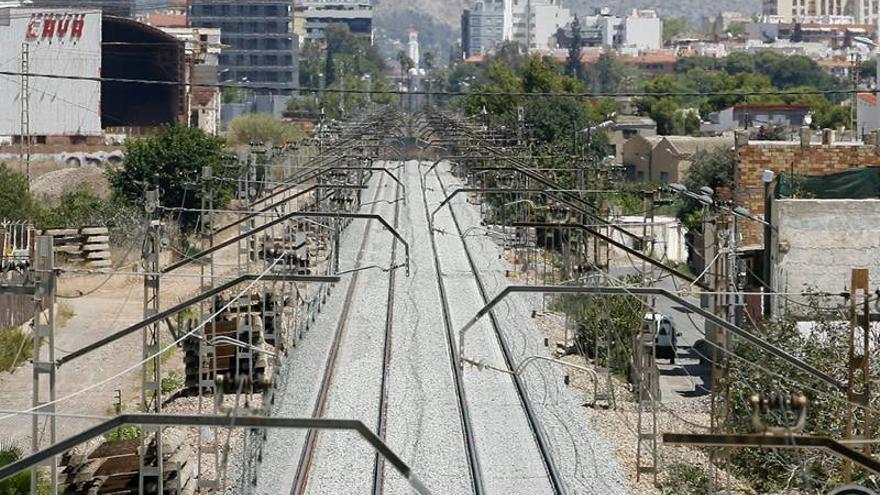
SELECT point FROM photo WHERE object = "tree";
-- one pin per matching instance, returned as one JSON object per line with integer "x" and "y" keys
{"x": 262, "y": 128}
{"x": 573, "y": 65}
{"x": 171, "y": 159}
{"x": 16, "y": 202}
{"x": 405, "y": 62}
{"x": 672, "y": 27}
{"x": 608, "y": 73}
{"x": 428, "y": 60}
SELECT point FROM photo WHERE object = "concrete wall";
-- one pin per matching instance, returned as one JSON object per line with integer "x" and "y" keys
{"x": 58, "y": 107}
{"x": 791, "y": 157}
{"x": 820, "y": 241}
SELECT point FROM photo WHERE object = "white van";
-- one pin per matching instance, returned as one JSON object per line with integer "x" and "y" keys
{"x": 665, "y": 335}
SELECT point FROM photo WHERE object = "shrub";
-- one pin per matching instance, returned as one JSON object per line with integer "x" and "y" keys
{"x": 262, "y": 128}
{"x": 170, "y": 160}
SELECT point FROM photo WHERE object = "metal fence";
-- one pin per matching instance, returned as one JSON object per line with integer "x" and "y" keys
{"x": 16, "y": 243}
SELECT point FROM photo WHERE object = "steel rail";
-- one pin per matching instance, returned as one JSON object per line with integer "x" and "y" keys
{"x": 651, "y": 291}
{"x": 381, "y": 426}
{"x": 304, "y": 465}
{"x": 467, "y": 427}
{"x": 540, "y": 437}
{"x": 261, "y": 422}
{"x": 158, "y": 317}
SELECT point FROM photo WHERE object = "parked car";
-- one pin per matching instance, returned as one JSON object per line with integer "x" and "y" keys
{"x": 665, "y": 335}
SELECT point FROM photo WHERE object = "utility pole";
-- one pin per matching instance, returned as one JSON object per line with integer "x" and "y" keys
{"x": 44, "y": 365}
{"x": 858, "y": 385}
{"x": 207, "y": 450}
{"x": 25, "y": 119}
{"x": 151, "y": 469}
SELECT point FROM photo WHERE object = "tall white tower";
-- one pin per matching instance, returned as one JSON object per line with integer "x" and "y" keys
{"x": 413, "y": 46}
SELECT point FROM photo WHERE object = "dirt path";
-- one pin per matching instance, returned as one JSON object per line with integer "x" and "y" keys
{"x": 112, "y": 307}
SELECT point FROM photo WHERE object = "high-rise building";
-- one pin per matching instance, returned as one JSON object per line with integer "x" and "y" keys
{"x": 311, "y": 17}
{"x": 260, "y": 45}
{"x": 488, "y": 26}
{"x": 862, "y": 11}
{"x": 120, "y": 8}
{"x": 534, "y": 23}
{"x": 531, "y": 23}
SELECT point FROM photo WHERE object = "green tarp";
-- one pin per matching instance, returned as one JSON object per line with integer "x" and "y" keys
{"x": 863, "y": 183}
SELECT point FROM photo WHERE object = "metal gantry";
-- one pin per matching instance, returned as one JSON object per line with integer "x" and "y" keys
{"x": 44, "y": 282}
{"x": 151, "y": 476}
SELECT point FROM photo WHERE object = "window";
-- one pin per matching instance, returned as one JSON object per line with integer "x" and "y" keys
{"x": 630, "y": 133}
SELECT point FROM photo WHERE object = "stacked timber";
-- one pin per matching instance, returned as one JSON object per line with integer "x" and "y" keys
{"x": 113, "y": 467}
{"x": 236, "y": 366}
{"x": 86, "y": 246}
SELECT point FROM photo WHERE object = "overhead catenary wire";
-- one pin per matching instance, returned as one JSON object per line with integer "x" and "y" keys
{"x": 519, "y": 94}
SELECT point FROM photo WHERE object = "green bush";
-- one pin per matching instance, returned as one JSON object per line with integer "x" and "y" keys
{"x": 262, "y": 128}
{"x": 685, "y": 478}
{"x": 20, "y": 484}
{"x": 16, "y": 201}
{"x": 15, "y": 348}
{"x": 127, "y": 432}
{"x": 172, "y": 160}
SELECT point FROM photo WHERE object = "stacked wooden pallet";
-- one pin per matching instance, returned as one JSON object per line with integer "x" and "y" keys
{"x": 236, "y": 365}
{"x": 113, "y": 467}
{"x": 86, "y": 246}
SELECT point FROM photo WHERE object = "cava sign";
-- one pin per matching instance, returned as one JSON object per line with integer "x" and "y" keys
{"x": 55, "y": 27}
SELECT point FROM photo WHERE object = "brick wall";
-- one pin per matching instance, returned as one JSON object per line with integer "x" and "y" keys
{"x": 789, "y": 157}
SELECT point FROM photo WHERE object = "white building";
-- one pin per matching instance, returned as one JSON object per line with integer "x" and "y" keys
{"x": 63, "y": 42}
{"x": 534, "y": 23}
{"x": 642, "y": 30}
{"x": 863, "y": 11}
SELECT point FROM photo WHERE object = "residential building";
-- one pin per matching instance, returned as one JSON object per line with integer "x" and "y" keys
{"x": 863, "y": 11}
{"x": 803, "y": 157}
{"x": 262, "y": 48}
{"x": 202, "y": 50}
{"x": 635, "y": 155}
{"x": 627, "y": 127}
{"x": 311, "y": 17}
{"x": 643, "y": 30}
{"x": 757, "y": 115}
{"x": 815, "y": 243}
{"x": 867, "y": 113}
{"x": 534, "y": 23}
{"x": 119, "y": 8}
{"x": 486, "y": 26}
{"x": 666, "y": 159}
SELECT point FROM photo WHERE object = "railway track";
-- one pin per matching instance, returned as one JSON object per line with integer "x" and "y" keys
{"x": 466, "y": 421}
{"x": 307, "y": 458}
{"x": 379, "y": 468}
{"x": 534, "y": 425}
